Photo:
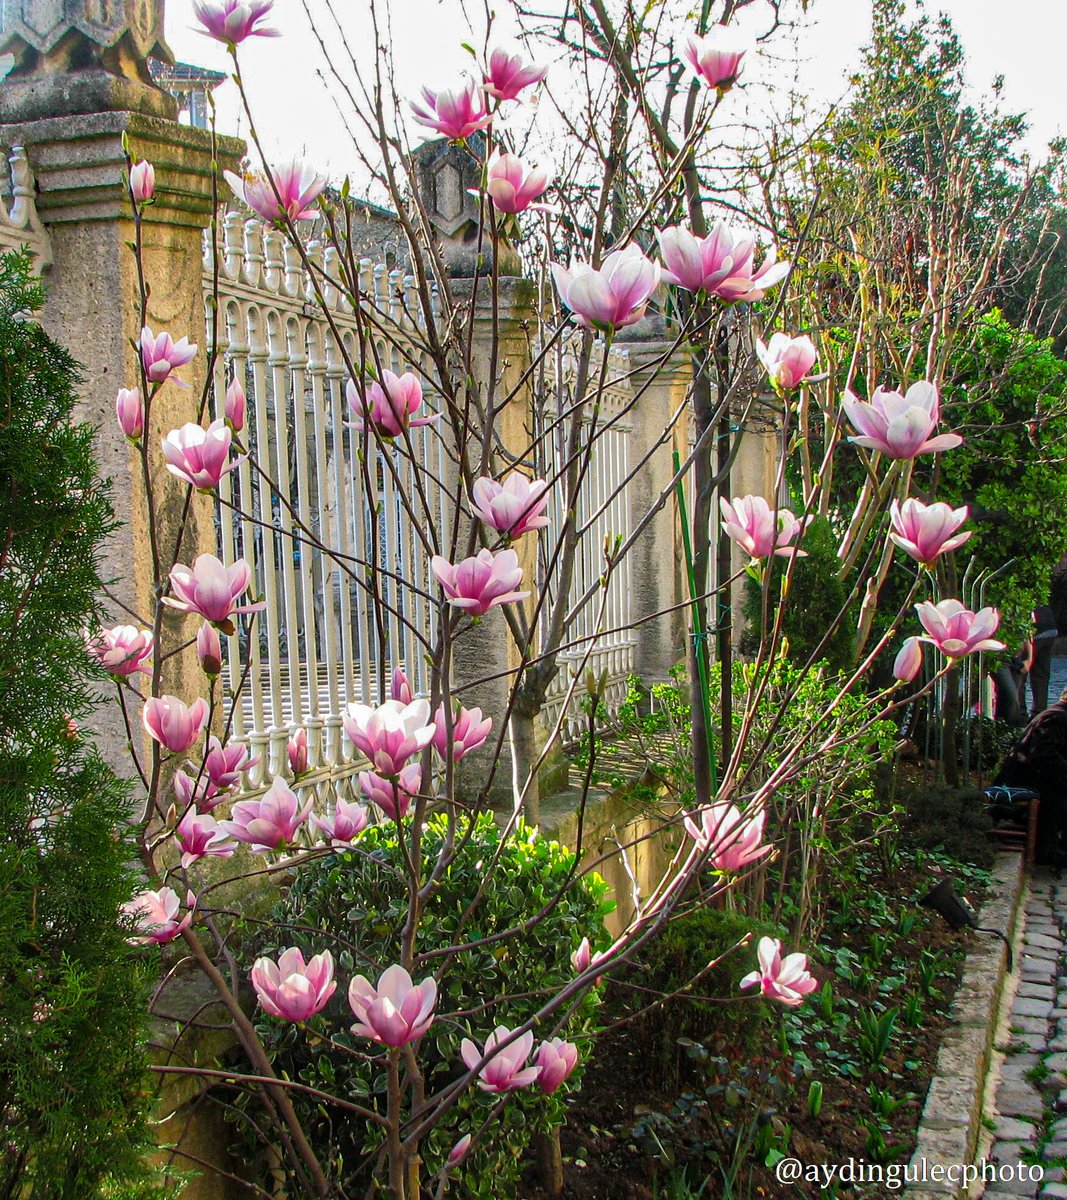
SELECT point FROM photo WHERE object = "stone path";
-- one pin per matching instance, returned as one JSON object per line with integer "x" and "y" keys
{"x": 1030, "y": 1124}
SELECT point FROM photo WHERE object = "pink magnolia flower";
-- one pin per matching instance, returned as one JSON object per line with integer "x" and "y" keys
{"x": 717, "y": 58}
{"x": 455, "y": 113}
{"x": 469, "y": 731}
{"x": 506, "y": 1070}
{"x": 210, "y": 589}
{"x": 389, "y": 406}
{"x": 721, "y": 264}
{"x": 955, "y": 630}
{"x": 122, "y": 650}
{"x": 513, "y": 507}
{"x": 142, "y": 182}
{"x": 157, "y": 917}
{"x": 272, "y": 821}
{"x": 161, "y": 356}
{"x": 344, "y": 826}
{"x": 582, "y": 957}
{"x": 785, "y": 980}
{"x": 612, "y": 297}
{"x": 236, "y": 406}
{"x": 173, "y": 724}
{"x": 758, "y": 530}
{"x": 909, "y": 660}
{"x": 209, "y": 650}
{"x": 899, "y": 426}
{"x": 397, "y": 1011}
{"x": 459, "y": 1151}
{"x": 585, "y": 957}
{"x": 292, "y": 194}
{"x": 298, "y": 753}
{"x": 787, "y": 360}
{"x": 480, "y": 583}
{"x": 391, "y": 733}
{"x": 232, "y": 21}
{"x": 731, "y": 838}
{"x": 924, "y": 531}
{"x": 200, "y": 792}
{"x": 400, "y": 687}
{"x": 507, "y": 75}
{"x": 199, "y": 456}
{"x": 129, "y": 412}
{"x": 392, "y": 796}
{"x": 556, "y": 1059}
{"x": 513, "y": 187}
{"x": 292, "y": 989}
{"x": 224, "y": 766}
{"x": 201, "y": 836}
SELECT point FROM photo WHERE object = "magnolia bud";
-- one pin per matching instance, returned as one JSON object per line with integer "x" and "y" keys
{"x": 236, "y": 405}
{"x": 909, "y": 661}
{"x": 129, "y": 412}
{"x": 596, "y": 685}
{"x": 298, "y": 753}
{"x": 209, "y": 650}
{"x": 142, "y": 182}
{"x": 401, "y": 687}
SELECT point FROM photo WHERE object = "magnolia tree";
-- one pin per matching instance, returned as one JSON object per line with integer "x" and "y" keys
{"x": 422, "y": 1047}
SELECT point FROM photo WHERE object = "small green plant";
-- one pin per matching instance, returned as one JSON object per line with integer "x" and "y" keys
{"x": 874, "y": 1034}
{"x": 1038, "y": 1073}
{"x": 875, "y": 1143}
{"x": 678, "y": 1186}
{"x": 911, "y": 1011}
{"x": 905, "y": 922}
{"x": 929, "y": 968}
{"x": 879, "y": 944}
{"x": 826, "y": 1000}
{"x": 815, "y": 1091}
{"x": 883, "y": 1102}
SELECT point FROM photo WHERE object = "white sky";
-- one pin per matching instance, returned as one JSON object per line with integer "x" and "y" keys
{"x": 296, "y": 118}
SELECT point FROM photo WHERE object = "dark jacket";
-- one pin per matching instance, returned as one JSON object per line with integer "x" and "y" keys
{"x": 1038, "y": 759}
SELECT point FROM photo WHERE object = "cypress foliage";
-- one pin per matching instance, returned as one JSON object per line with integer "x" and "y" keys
{"x": 72, "y": 995}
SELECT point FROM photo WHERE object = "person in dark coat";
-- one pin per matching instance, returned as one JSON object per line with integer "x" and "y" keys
{"x": 1009, "y": 688}
{"x": 1043, "y": 642}
{"x": 1038, "y": 760}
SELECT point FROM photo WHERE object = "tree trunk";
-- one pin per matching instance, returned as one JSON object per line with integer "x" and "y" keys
{"x": 950, "y": 715}
{"x": 525, "y": 751}
{"x": 701, "y": 534}
{"x": 549, "y": 1159}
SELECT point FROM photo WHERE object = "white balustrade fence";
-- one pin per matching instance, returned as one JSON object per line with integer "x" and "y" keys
{"x": 319, "y": 645}
{"x": 600, "y": 638}
{"x": 20, "y": 225}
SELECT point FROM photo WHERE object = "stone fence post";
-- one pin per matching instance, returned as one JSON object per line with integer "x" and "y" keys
{"x": 80, "y": 84}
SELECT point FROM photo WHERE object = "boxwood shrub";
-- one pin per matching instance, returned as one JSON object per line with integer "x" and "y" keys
{"x": 355, "y": 904}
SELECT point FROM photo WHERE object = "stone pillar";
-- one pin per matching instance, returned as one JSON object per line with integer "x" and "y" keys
{"x": 82, "y": 56}
{"x": 662, "y": 378}
{"x": 446, "y": 173}
{"x": 93, "y": 305}
{"x": 490, "y": 649}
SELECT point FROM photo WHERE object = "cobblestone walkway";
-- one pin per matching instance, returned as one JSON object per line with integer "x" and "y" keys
{"x": 1031, "y": 1098}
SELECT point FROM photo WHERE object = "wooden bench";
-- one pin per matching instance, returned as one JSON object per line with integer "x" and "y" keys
{"x": 1015, "y": 811}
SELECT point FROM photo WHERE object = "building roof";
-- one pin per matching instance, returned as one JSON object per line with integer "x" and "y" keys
{"x": 184, "y": 73}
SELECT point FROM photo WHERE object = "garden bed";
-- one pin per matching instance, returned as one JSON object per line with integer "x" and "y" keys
{"x": 742, "y": 1098}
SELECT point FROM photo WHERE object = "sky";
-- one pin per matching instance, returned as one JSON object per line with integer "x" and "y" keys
{"x": 297, "y": 119}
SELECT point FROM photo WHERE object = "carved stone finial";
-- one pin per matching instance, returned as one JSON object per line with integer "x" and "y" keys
{"x": 447, "y": 174}
{"x": 82, "y": 53}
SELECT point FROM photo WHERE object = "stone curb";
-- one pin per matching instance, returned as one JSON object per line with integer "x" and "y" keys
{"x": 951, "y": 1121}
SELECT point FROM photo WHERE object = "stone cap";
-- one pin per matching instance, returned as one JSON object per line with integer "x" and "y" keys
{"x": 80, "y": 168}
